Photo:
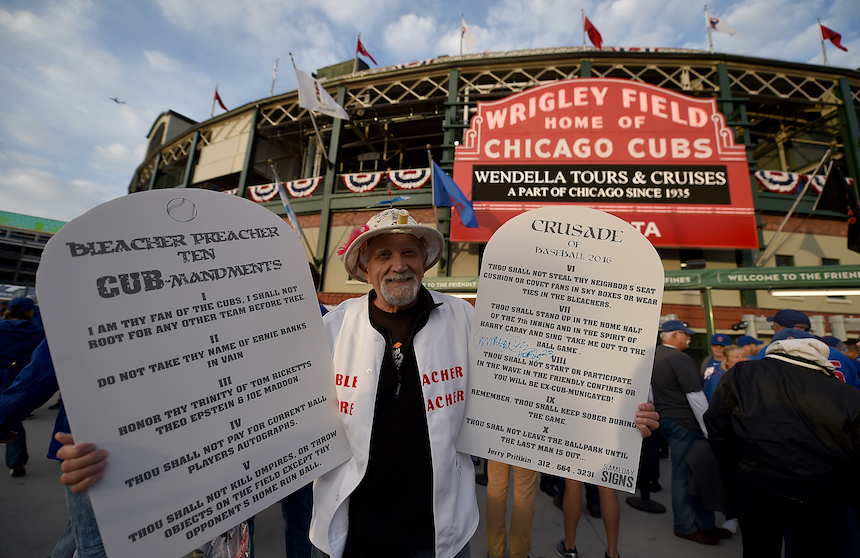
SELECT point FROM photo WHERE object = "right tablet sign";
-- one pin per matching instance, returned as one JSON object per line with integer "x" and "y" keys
{"x": 562, "y": 345}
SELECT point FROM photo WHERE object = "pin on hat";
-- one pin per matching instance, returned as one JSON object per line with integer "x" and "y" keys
{"x": 390, "y": 221}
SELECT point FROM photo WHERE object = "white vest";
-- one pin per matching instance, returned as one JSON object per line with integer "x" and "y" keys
{"x": 441, "y": 353}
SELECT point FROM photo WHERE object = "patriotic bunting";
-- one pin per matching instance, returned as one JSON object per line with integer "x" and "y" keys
{"x": 363, "y": 181}
{"x": 409, "y": 179}
{"x": 789, "y": 182}
{"x": 263, "y": 193}
{"x": 303, "y": 188}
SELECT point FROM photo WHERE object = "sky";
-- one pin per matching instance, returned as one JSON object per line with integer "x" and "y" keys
{"x": 65, "y": 147}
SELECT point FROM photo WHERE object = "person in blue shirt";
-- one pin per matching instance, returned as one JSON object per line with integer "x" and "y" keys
{"x": 719, "y": 341}
{"x": 750, "y": 345}
{"x": 732, "y": 355}
{"x": 844, "y": 368}
{"x": 19, "y": 337}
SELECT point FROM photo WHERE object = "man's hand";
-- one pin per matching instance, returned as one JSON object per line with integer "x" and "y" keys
{"x": 647, "y": 419}
{"x": 83, "y": 465}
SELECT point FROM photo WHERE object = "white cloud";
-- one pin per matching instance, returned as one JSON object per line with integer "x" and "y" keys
{"x": 411, "y": 35}
{"x": 40, "y": 193}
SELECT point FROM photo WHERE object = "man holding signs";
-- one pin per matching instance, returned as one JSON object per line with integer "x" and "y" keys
{"x": 401, "y": 368}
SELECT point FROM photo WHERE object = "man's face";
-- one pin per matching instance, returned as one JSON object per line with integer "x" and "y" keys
{"x": 751, "y": 349}
{"x": 680, "y": 340}
{"x": 717, "y": 351}
{"x": 394, "y": 266}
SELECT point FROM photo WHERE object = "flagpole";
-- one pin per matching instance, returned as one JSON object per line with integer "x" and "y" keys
{"x": 286, "y": 202}
{"x": 462, "y": 32}
{"x": 313, "y": 121}
{"x": 821, "y": 36}
{"x": 708, "y": 26}
{"x": 355, "y": 61}
{"x": 212, "y": 113}
{"x": 432, "y": 184}
{"x": 583, "y": 28}
{"x": 772, "y": 246}
{"x": 274, "y": 78}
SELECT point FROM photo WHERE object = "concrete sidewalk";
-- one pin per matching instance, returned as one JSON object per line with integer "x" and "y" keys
{"x": 33, "y": 515}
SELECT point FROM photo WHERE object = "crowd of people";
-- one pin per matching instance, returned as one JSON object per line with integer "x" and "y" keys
{"x": 769, "y": 436}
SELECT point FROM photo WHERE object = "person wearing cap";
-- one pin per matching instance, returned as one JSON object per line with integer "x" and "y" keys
{"x": 786, "y": 458}
{"x": 750, "y": 345}
{"x": 19, "y": 337}
{"x": 796, "y": 320}
{"x": 406, "y": 351}
{"x": 681, "y": 403}
{"x": 719, "y": 341}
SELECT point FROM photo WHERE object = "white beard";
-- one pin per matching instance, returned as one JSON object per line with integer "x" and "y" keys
{"x": 399, "y": 289}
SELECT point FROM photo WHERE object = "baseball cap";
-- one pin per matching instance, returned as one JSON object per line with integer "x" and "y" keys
{"x": 831, "y": 340}
{"x": 390, "y": 221}
{"x": 748, "y": 340}
{"x": 721, "y": 339}
{"x": 676, "y": 325}
{"x": 21, "y": 304}
{"x": 792, "y": 333}
{"x": 790, "y": 318}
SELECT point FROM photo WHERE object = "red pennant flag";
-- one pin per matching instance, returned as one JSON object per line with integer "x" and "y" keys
{"x": 219, "y": 101}
{"x": 593, "y": 34}
{"x": 359, "y": 48}
{"x": 835, "y": 38}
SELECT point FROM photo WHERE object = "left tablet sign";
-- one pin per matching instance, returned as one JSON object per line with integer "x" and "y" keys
{"x": 188, "y": 342}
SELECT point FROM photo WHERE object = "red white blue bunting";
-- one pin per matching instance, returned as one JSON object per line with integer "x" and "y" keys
{"x": 303, "y": 188}
{"x": 790, "y": 182}
{"x": 263, "y": 193}
{"x": 363, "y": 181}
{"x": 780, "y": 182}
{"x": 409, "y": 179}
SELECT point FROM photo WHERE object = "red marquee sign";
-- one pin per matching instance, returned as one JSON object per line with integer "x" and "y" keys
{"x": 662, "y": 161}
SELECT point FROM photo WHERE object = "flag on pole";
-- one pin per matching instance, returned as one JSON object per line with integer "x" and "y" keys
{"x": 313, "y": 96}
{"x": 466, "y": 34}
{"x": 718, "y": 25}
{"x": 835, "y": 38}
{"x": 275, "y": 70}
{"x": 291, "y": 215}
{"x": 593, "y": 33}
{"x": 218, "y": 99}
{"x": 446, "y": 193}
{"x": 359, "y": 48}
{"x": 837, "y": 195}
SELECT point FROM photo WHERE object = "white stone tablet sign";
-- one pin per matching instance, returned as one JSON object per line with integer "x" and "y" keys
{"x": 563, "y": 344}
{"x": 187, "y": 339}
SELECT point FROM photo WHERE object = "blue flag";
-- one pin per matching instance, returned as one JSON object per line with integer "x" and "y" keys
{"x": 446, "y": 193}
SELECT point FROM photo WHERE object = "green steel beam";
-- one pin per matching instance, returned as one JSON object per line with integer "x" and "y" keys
{"x": 154, "y": 171}
{"x": 192, "y": 161}
{"x": 849, "y": 128}
{"x": 320, "y": 259}
{"x": 250, "y": 150}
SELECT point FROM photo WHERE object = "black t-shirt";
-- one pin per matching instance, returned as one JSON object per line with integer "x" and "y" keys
{"x": 391, "y": 511}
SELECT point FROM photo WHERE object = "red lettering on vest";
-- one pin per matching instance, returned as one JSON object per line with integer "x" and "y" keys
{"x": 448, "y": 399}
{"x": 345, "y": 381}
{"x": 346, "y": 407}
{"x": 442, "y": 375}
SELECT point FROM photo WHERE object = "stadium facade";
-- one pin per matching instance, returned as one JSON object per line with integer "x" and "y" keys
{"x": 775, "y": 119}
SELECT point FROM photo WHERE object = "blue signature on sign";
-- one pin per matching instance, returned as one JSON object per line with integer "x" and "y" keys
{"x": 509, "y": 342}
